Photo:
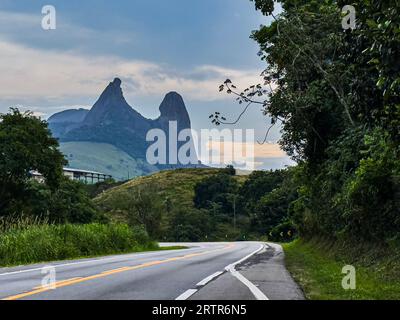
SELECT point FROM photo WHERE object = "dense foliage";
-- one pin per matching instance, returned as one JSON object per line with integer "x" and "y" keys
{"x": 336, "y": 93}
{"x": 260, "y": 207}
{"x": 47, "y": 242}
{"x": 140, "y": 207}
{"x": 26, "y": 145}
{"x": 206, "y": 204}
{"x": 52, "y": 219}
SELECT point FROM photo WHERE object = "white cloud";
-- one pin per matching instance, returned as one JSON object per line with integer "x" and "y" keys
{"x": 29, "y": 74}
{"x": 251, "y": 154}
{"x": 9, "y": 21}
{"x": 21, "y": 26}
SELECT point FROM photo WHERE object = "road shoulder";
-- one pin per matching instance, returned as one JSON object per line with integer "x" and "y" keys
{"x": 265, "y": 269}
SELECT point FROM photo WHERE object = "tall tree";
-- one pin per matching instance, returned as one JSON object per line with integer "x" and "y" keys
{"x": 335, "y": 93}
{"x": 25, "y": 145}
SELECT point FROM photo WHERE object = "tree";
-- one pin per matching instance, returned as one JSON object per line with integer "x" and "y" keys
{"x": 25, "y": 145}
{"x": 214, "y": 189}
{"x": 141, "y": 207}
{"x": 230, "y": 170}
{"x": 190, "y": 225}
{"x": 258, "y": 184}
{"x": 274, "y": 207}
{"x": 70, "y": 203}
{"x": 336, "y": 95}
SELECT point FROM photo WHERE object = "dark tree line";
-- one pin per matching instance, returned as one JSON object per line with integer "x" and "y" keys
{"x": 26, "y": 145}
{"x": 335, "y": 93}
{"x": 257, "y": 208}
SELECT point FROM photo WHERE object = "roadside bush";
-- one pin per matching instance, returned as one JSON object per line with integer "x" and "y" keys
{"x": 283, "y": 232}
{"x": 70, "y": 203}
{"x": 141, "y": 207}
{"x": 372, "y": 195}
{"x": 190, "y": 225}
{"x": 45, "y": 242}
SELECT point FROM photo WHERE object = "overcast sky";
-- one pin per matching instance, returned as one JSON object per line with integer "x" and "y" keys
{"x": 153, "y": 46}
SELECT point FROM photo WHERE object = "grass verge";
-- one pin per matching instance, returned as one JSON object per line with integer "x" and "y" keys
{"x": 40, "y": 243}
{"x": 317, "y": 267}
{"x": 171, "y": 248}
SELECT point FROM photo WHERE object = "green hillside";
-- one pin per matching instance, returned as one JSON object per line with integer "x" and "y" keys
{"x": 104, "y": 158}
{"x": 177, "y": 185}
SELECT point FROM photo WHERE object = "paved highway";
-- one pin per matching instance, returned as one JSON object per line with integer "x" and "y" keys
{"x": 159, "y": 275}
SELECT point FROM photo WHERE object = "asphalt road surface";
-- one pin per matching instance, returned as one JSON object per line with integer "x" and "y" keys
{"x": 203, "y": 271}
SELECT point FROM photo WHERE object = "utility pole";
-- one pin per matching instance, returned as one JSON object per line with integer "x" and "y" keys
{"x": 234, "y": 197}
{"x": 234, "y": 213}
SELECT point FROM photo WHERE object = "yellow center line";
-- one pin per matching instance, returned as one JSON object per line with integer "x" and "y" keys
{"x": 54, "y": 284}
{"x": 103, "y": 274}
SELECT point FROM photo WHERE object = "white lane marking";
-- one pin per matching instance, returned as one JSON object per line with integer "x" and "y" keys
{"x": 245, "y": 258}
{"x": 258, "y": 294}
{"x": 254, "y": 290}
{"x": 91, "y": 261}
{"x": 209, "y": 278}
{"x": 187, "y": 294}
{"x": 230, "y": 268}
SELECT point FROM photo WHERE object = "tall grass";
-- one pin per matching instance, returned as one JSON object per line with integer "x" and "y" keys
{"x": 317, "y": 266}
{"x": 26, "y": 241}
{"x": 20, "y": 222}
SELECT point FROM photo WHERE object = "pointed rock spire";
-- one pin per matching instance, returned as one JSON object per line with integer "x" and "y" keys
{"x": 173, "y": 108}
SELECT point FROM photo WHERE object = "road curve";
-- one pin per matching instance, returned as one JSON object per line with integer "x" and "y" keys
{"x": 158, "y": 275}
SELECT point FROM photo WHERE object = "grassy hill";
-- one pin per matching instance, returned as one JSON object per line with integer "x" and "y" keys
{"x": 177, "y": 185}
{"x": 104, "y": 158}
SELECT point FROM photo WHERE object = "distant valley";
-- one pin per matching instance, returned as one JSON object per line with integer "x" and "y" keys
{"x": 105, "y": 158}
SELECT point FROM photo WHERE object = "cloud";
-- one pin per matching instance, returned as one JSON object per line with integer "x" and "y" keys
{"x": 251, "y": 154}
{"x": 11, "y": 22}
{"x": 36, "y": 77}
{"x": 31, "y": 73}
{"x": 268, "y": 150}
{"x": 26, "y": 28}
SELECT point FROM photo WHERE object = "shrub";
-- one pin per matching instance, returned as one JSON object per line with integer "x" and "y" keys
{"x": 372, "y": 203}
{"x": 56, "y": 242}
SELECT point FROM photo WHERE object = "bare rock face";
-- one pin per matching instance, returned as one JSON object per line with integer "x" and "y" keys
{"x": 70, "y": 116}
{"x": 112, "y": 120}
{"x": 173, "y": 108}
{"x": 112, "y": 108}
{"x": 64, "y": 121}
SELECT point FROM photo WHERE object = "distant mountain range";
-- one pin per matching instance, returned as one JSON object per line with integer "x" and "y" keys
{"x": 112, "y": 121}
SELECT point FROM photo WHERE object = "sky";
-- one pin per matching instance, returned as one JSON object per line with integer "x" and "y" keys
{"x": 154, "y": 46}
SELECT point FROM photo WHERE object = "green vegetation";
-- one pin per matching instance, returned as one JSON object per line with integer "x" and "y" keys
{"x": 317, "y": 266}
{"x": 93, "y": 190}
{"x": 171, "y": 248}
{"x": 175, "y": 185}
{"x": 55, "y": 219}
{"x": 163, "y": 204}
{"x": 203, "y": 204}
{"x": 258, "y": 206}
{"x": 337, "y": 99}
{"x": 25, "y": 145}
{"x": 106, "y": 158}
{"x": 69, "y": 203}
{"x": 335, "y": 94}
{"x": 31, "y": 243}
